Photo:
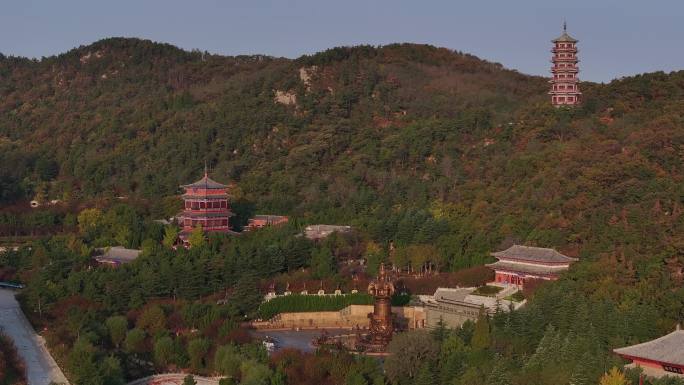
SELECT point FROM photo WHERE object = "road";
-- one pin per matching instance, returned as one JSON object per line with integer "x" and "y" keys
{"x": 41, "y": 368}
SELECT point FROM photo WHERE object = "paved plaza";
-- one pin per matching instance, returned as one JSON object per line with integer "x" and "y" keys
{"x": 300, "y": 340}
{"x": 41, "y": 368}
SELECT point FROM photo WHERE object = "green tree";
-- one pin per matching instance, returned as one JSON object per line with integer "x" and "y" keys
{"x": 427, "y": 375}
{"x": 322, "y": 262}
{"x": 189, "y": 380}
{"x": 135, "y": 341}
{"x": 481, "y": 336}
{"x": 440, "y": 332}
{"x": 152, "y": 320}
{"x": 254, "y": 373}
{"x": 499, "y": 374}
{"x": 89, "y": 222}
{"x": 197, "y": 351}
{"x": 82, "y": 364}
{"x": 246, "y": 296}
{"x": 164, "y": 351}
{"x": 197, "y": 238}
{"x": 408, "y": 352}
{"x": 170, "y": 236}
{"x": 117, "y": 327}
{"x": 227, "y": 361}
{"x": 111, "y": 370}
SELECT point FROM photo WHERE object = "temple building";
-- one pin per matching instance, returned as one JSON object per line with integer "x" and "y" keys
{"x": 518, "y": 264}
{"x": 455, "y": 306}
{"x": 661, "y": 357}
{"x": 206, "y": 206}
{"x": 564, "y": 82}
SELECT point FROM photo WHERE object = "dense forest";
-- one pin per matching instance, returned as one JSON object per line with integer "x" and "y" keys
{"x": 443, "y": 155}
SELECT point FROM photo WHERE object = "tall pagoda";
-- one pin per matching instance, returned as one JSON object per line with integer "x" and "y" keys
{"x": 206, "y": 206}
{"x": 564, "y": 82}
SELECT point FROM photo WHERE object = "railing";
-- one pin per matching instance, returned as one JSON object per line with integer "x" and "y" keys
{"x": 174, "y": 378}
{"x": 10, "y": 285}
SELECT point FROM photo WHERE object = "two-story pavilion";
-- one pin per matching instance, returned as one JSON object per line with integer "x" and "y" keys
{"x": 206, "y": 206}
{"x": 518, "y": 263}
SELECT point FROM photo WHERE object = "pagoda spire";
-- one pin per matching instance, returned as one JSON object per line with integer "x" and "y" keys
{"x": 206, "y": 172}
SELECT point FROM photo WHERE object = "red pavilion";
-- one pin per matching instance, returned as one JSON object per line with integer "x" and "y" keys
{"x": 518, "y": 264}
{"x": 206, "y": 206}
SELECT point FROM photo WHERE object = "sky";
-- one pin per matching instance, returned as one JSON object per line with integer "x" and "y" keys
{"x": 617, "y": 37}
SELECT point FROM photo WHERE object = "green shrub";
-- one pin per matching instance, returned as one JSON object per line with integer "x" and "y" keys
{"x": 297, "y": 303}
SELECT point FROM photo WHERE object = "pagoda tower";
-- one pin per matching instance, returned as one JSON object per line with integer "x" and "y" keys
{"x": 564, "y": 88}
{"x": 206, "y": 205}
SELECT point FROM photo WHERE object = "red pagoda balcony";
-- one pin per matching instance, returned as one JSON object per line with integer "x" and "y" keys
{"x": 564, "y": 69}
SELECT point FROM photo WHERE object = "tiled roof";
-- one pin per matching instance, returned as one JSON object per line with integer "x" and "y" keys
{"x": 206, "y": 183}
{"x": 533, "y": 254}
{"x": 204, "y": 197}
{"x": 666, "y": 349}
{"x": 564, "y": 38}
{"x": 525, "y": 268}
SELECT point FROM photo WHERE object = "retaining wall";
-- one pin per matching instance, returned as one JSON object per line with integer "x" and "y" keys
{"x": 350, "y": 317}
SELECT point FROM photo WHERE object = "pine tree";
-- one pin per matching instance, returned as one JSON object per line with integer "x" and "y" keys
{"x": 481, "y": 336}
{"x": 543, "y": 354}
{"x": 582, "y": 373}
{"x": 426, "y": 375}
{"x": 440, "y": 333}
{"x": 499, "y": 374}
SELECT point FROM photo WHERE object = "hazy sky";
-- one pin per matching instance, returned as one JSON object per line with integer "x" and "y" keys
{"x": 617, "y": 37}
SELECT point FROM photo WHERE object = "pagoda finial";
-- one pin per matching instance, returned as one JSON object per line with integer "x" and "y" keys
{"x": 565, "y": 26}
{"x": 206, "y": 173}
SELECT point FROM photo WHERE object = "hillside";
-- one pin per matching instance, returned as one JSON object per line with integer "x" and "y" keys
{"x": 373, "y": 133}
{"x": 444, "y": 154}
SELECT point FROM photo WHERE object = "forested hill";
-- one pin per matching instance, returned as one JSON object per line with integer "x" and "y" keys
{"x": 129, "y": 116}
{"x": 378, "y": 137}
